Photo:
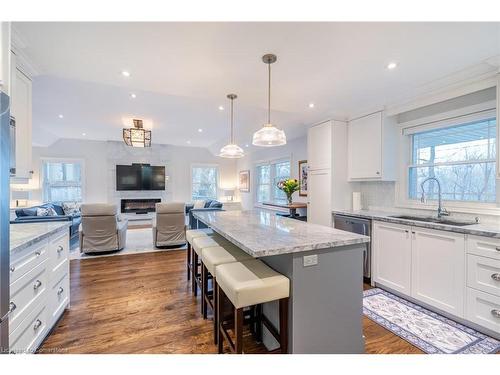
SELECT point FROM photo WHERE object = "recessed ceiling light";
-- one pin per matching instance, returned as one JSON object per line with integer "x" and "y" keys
{"x": 125, "y": 73}
{"x": 246, "y": 145}
{"x": 221, "y": 108}
{"x": 60, "y": 116}
{"x": 200, "y": 130}
{"x": 84, "y": 134}
{"x": 392, "y": 65}
{"x": 311, "y": 105}
{"x": 188, "y": 142}
{"x": 133, "y": 96}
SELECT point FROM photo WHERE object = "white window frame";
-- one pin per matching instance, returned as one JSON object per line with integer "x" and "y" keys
{"x": 255, "y": 184}
{"x": 204, "y": 165}
{"x": 41, "y": 174}
{"x": 405, "y": 153}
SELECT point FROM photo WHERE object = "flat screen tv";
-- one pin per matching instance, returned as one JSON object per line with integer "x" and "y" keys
{"x": 140, "y": 177}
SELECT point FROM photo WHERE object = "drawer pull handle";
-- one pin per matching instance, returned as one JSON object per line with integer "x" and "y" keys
{"x": 37, "y": 324}
{"x": 60, "y": 248}
{"x": 496, "y": 276}
{"x": 12, "y": 269}
{"x": 497, "y": 248}
{"x": 495, "y": 313}
{"x": 37, "y": 284}
{"x": 60, "y": 290}
{"x": 38, "y": 253}
{"x": 12, "y": 306}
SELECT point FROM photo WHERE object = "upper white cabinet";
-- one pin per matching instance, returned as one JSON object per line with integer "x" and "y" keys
{"x": 5, "y": 57}
{"x": 498, "y": 127}
{"x": 372, "y": 148}
{"x": 319, "y": 146}
{"x": 21, "y": 110}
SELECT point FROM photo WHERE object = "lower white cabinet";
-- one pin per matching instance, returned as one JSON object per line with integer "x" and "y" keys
{"x": 318, "y": 209}
{"x": 391, "y": 247}
{"x": 39, "y": 291}
{"x": 438, "y": 269}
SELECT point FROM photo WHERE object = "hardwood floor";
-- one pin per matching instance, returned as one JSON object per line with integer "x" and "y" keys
{"x": 141, "y": 303}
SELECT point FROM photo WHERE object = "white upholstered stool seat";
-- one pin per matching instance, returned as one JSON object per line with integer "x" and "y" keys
{"x": 199, "y": 243}
{"x": 251, "y": 282}
{"x": 191, "y": 234}
{"x": 214, "y": 256}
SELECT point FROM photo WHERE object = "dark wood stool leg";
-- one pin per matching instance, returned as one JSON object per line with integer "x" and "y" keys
{"x": 220, "y": 318}
{"x": 258, "y": 323}
{"x": 188, "y": 261}
{"x": 238, "y": 330}
{"x": 215, "y": 302}
{"x": 194, "y": 271}
{"x": 284, "y": 325}
{"x": 204, "y": 290}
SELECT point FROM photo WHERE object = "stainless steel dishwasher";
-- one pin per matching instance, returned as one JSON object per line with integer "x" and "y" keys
{"x": 359, "y": 226}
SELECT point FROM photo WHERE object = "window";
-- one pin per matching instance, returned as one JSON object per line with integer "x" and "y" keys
{"x": 62, "y": 181}
{"x": 461, "y": 157}
{"x": 204, "y": 182}
{"x": 268, "y": 176}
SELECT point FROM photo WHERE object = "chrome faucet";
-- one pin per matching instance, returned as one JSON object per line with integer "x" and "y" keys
{"x": 441, "y": 211}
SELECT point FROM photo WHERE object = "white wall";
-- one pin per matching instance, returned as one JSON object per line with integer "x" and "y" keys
{"x": 100, "y": 159}
{"x": 294, "y": 150}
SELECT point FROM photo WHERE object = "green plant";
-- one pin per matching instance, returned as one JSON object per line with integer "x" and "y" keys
{"x": 289, "y": 187}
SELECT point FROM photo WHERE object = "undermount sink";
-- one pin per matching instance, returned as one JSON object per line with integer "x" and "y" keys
{"x": 436, "y": 220}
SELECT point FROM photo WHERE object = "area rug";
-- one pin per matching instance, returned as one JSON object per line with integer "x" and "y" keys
{"x": 138, "y": 241}
{"x": 431, "y": 332}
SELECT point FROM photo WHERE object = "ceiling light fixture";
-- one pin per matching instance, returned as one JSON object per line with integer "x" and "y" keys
{"x": 269, "y": 135}
{"x": 137, "y": 136}
{"x": 231, "y": 150}
{"x": 200, "y": 130}
{"x": 125, "y": 73}
{"x": 84, "y": 134}
{"x": 311, "y": 105}
{"x": 133, "y": 96}
{"x": 221, "y": 108}
{"x": 188, "y": 142}
{"x": 392, "y": 65}
{"x": 60, "y": 116}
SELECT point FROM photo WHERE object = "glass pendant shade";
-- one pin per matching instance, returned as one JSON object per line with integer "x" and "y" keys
{"x": 137, "y": 136}
{"x": 269, "y": 135}
{"x": 231, "y": 150}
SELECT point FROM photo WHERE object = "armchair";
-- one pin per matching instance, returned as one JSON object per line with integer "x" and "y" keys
{"x": 170, "y": 226}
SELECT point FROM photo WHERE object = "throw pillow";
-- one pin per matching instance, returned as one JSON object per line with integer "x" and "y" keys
{"x": 45, "y": 211}
{"x": 71, "y": 208}
{"x": 199, "y": 204}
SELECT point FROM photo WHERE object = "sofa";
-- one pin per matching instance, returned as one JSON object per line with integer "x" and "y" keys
{"x": 209, "y": 205}
{"x": 28, "y": 215}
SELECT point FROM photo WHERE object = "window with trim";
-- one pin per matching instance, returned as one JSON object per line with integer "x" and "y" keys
{"x": 62, "y": 181}
{"x": 462, "y": 157}
{"x": 204, "y": 182}
{"x": 267, "y": 177}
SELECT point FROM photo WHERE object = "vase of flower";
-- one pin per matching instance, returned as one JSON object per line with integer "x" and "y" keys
{"x": 289, "y": 187}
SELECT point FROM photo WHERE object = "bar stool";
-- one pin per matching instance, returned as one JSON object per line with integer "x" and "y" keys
{"x": 198, "y": 244}
{"x": 211, "y": 258}
{"x": 245, "y": 284}
{"x": 191, "y": 234}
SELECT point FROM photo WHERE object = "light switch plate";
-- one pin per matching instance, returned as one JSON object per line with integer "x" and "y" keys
{"x": 310, "y": 260}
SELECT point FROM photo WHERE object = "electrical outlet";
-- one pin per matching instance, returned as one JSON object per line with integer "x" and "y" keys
{"x": 310, "y": 260}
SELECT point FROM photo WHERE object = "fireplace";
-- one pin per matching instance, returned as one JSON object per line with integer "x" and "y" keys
{"x": 139, "y": 206}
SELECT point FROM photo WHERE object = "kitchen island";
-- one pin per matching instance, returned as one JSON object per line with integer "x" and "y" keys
{"x": 324, "y": 265}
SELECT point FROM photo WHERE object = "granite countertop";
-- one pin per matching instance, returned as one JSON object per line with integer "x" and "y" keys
{"x": 27, "y": 234}
{"x": 487, "y": 229}
{"x": 261, "y": 233}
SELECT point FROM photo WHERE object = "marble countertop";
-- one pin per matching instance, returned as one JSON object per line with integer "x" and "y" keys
{"x": 487, "y": 230}
{"x": 27, "y": 234}
{"x": 261, "y": 233}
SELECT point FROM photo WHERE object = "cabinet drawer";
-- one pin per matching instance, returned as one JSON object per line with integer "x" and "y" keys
{"x": 483, "y": 274}
{"x": 483, "y": 309}
{"x": 59, "y": 297}
{"x": 28, "y": 336}
{"x": 59, "y": 250}
{"x": 484, "y": 246}
{"x": 27, "y": 292}
{"x": 27, "y": 259}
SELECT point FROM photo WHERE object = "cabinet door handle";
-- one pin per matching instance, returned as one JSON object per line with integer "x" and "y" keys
{"x": 496, "y": 276}
{"x": 12, "y": 306}
{"x": 60, "y": 290}
{"x": 497, "y": 248}
{"x": 60, "y": 248}
{"x": 495, "y": 313}
{"x": 378, "y": 173}
{"x": 12, "y": 269}
{"x": 38, "y": 253}
{"x": 37, "y": 324}
{"x": 37, "y": 284}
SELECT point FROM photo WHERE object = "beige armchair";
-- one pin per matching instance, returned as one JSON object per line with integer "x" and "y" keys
{"x": 101, "y": 229}
{"x": 170, "y": 227}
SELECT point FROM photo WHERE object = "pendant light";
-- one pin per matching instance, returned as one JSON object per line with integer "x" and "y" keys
{"x": 269, "y": 135}
{"x": 137, "y": 136}
{"x": 231, "y": 150}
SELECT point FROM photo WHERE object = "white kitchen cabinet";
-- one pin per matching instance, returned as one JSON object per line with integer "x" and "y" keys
{"x": 21, "y": 110}
{"x": 372, "y": 148}
{"x": 5, "y": 57}
{"x": 438, "y": 269}
{"x": 391, "y": 246}
{"x": 319, "y": 191}
{"x": 319, "y": 145}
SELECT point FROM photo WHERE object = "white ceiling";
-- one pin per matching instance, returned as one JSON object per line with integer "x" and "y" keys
{"x": 181, "y": 73}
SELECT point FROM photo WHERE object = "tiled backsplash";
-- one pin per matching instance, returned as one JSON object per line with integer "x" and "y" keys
{"x": 377, "y": 193}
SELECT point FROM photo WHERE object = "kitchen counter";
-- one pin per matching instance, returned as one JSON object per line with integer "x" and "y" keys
{"x": 25, "y": 235}
{"x": 324, "y": 266}
{"x": 487, "y": 230}
{"x": 261, "y": 233}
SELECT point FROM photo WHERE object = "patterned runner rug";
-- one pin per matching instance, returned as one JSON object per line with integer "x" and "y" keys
{"x": 431, "y": 332}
